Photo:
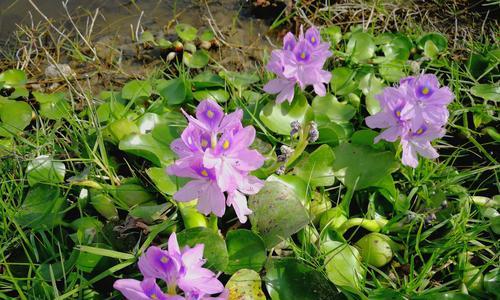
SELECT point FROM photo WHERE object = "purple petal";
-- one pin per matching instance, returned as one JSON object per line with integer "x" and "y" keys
{"x": 319, "y": 89}
{"x": 380, "y": 120}
{"x": 173, "y": 245}
{"x": 286, "y": 94}
{"x": 190, "y": 191}
{"x": 152, "y": 290}
{"x": 250, "y": 185}
{"x": 131, "y": 289}
{"x": 239, "y": 202}
{"x": 209, "y": 113}
{"x": 193, "y": 257}
{"x": 246, "y": 160}
{"x": 231, "y": 121}
{"x": 275, "y": 86}
{"x": 243, "y": 138}
{"x": 212, "y": 200}
{"x": 409, "y": 154}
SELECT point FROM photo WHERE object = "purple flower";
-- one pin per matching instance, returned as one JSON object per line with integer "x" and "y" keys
{"x": 142, "y": 290}
{"x": 214, "y": 151}
{"x": 414, "y": 112}
{"x": 178, "y": 268}
{"x": 299, "y": 62}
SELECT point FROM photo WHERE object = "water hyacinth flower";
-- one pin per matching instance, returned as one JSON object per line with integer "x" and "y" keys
{"x": 299, "y": 62}
{"x": 214, "y": 152}
{"x": 414, "y": 112}
{"x": 178, "y": 269}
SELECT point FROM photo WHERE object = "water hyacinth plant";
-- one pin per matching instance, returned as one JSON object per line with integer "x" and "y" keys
{"x": 300, "y": 61}
{"x": 179, "y": 269}
{"x": 414, "y": 112}
{"x": 214, "y": 151}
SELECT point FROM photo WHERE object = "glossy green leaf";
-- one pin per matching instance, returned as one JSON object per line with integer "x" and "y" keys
{"x": 41, "y": 209}
{"x": 333, "y": 34}
{"x": 45, "y": 170}
{"x": 336, "y": 111}
{"x": 246, "y": 251}
{"x": 137, "y": 90}
{"x": 197, "y": 60}
{"x": 361, "y": 46}
{"x": 59, "y": 269}
{"x": 239, "y": 80}
{"x": 392, "y": 71}
{"x": 343, "y": 265}
{"x": 439, "y": 41}
{"x": 165, "y": 183}
{"x": 371, "y": 86}
{"x": 174, "y": 91}
{"x": 343, "y": 81}
{"x": 132, "y": 194}
{"x": 104, "y": 204}
{"x": 486, "y": 91}
{"x": 150, "y": 213}
{"x": 186, "y": 32}
{"x": 317, "y": 168}
{"x": 356, "y": 173}
{"x": 146, "y": 146}
{"x": 15, "y": 116}
{"x": 219, "y": 95}
{"x": 291, "y": 279}
{"x": 207, "y": 80}
{"x": 491, "y": 282}
{"x": 147, "y": 37}
{"x": 245, "y": 285}
{"x": 277, "y": 212}
{"x": 398, "y": 48}
{"x": 375, "y": 249}
{"x": 53, "y": 106}
{"x": 430, "y": 49}
{"x": 13, "y": 78}
{"x": 215, "y": 248}
{"x": 477, "y": 64}
{"x": 297, "y": 184}
{"x": 277, "y": 117}
{"x": 207, "y": 35}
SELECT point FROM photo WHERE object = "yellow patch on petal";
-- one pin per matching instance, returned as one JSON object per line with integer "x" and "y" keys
{"x": 153, "y": 296}
{"x": 210, "y": 114}
{"x": 420, "y": 131}
{"x": 425, "y": 91}
{"x": 225, "y": 145}
{"x": 164, "y": 259}
{"x": 204, "y": 143}
{"x": 303, "y": 55}
{"x": 313, "y": 40}
{"x": 398, "y": 113}
{"x": 204, "y": 173}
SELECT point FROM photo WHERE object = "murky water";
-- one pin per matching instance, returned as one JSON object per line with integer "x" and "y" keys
{"x": 121, "y": 17}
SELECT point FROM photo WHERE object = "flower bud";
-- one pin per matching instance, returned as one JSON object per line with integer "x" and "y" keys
{"x": 313, "y": 133}
{"x": 295, "y": 127}
{"x": 171, "y": 56}
{"x": 281, "y": 170}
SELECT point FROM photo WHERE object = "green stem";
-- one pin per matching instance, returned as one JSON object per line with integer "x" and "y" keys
{"x": 190, "y": 216}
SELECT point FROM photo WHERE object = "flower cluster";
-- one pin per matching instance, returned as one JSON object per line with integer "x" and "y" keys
{"x": 415, "y": 112}
{"x": 300, "y": 61}
{"x": 214, "y": 152}
{"x": 178, "y": 269}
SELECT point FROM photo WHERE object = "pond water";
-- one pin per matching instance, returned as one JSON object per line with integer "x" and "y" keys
{"x": 118, "y": 17}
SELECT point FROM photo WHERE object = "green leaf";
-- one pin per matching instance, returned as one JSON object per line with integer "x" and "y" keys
{"x": 137, "y": 90}
{"x": 146, "y": 146}
{"x": 361, "y": 46}
{"x": 197, "y": 60}
{"x": 246, "y": 251}
{"x": 87, "y": 261}
{"x": 370, "y": 85}
{"x": 207, "y": 35}
{"x": 430, "y": 49}
{"x": 245, "y": 285}
{"x": 291, "y": 279}
{"x": 41, "y": 209}
{"x": 174, "y": 91}
{"x": 398, "y": 48}
{"x": 336, "y": 111}
{"x": 343, "y": 81}
{"x": 15, "y": 116}
{"x": 13, "y": 78}
{"x": 58, "y": 269}
{"x": 53, "y": 106}
{"x": 277, "y": 117}
{"x": 132, "y": 194}
{"x": 147, "y": 37}
{"x": 297, "y": 184}
{"x": 333, "y": 34}
{"x": 165, "y": 183}
{"x": 392, "y": 71}
{"x": 186, "y": 32}
{"x": 106, "y": 252}
{"x": 277, "y": 212}
{"x": 215, "y": 247}
{"x": 438, "y": 40}
{"x": 317, "y": 168}
{"x": 477, "y": 64}
{"x": 43, "y": 169}
{"x": 239, "y": 80}
{"x": 343, "y": 265}
{"x": 220, "y": 95}
{"x": 366, "y": 137}
{"x": 149, "y": 214}
{"x": 486, "y": 91}
{"x": 359, "y": 167}
{"x": 207, "y": 80}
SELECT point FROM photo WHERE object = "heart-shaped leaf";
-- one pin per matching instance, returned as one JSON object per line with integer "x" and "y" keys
{"x": 317, "y": 168}
{"x": 15, "y": 116}
{"x": 245, "y": 285}
{"x": 370, "y": 85}
{"x": 146, "y": 146}
{"x": 277, "y": 117}
{"x": 174, "y": 91}
{"x": 336, "y": 111}
{"x": 361, "y": 46}
{"x": 186, "y": 32}
{"x": 359, "y": 166}
{"x": 438, "y": 40}
{"x": 215, "y": 248}
{"x": 277, "y": 212}
{"x": 239, "y": 80}
{"x": 53, "y": 106}
{"x": 137, "y": 90}
{"x": 291, "y": 279}
{"x": 219, "y": 95}
{"x": 197, "y": 60}
{"x": 43, "y": 169}
{"x": 343, "y": 81}
{"x": 343, "y": 265}
{"x": 246, "y": 251}
{"x": 487, "y": 91}
{"x": 13, "y": 78}
{"x": 165, "y": 183}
